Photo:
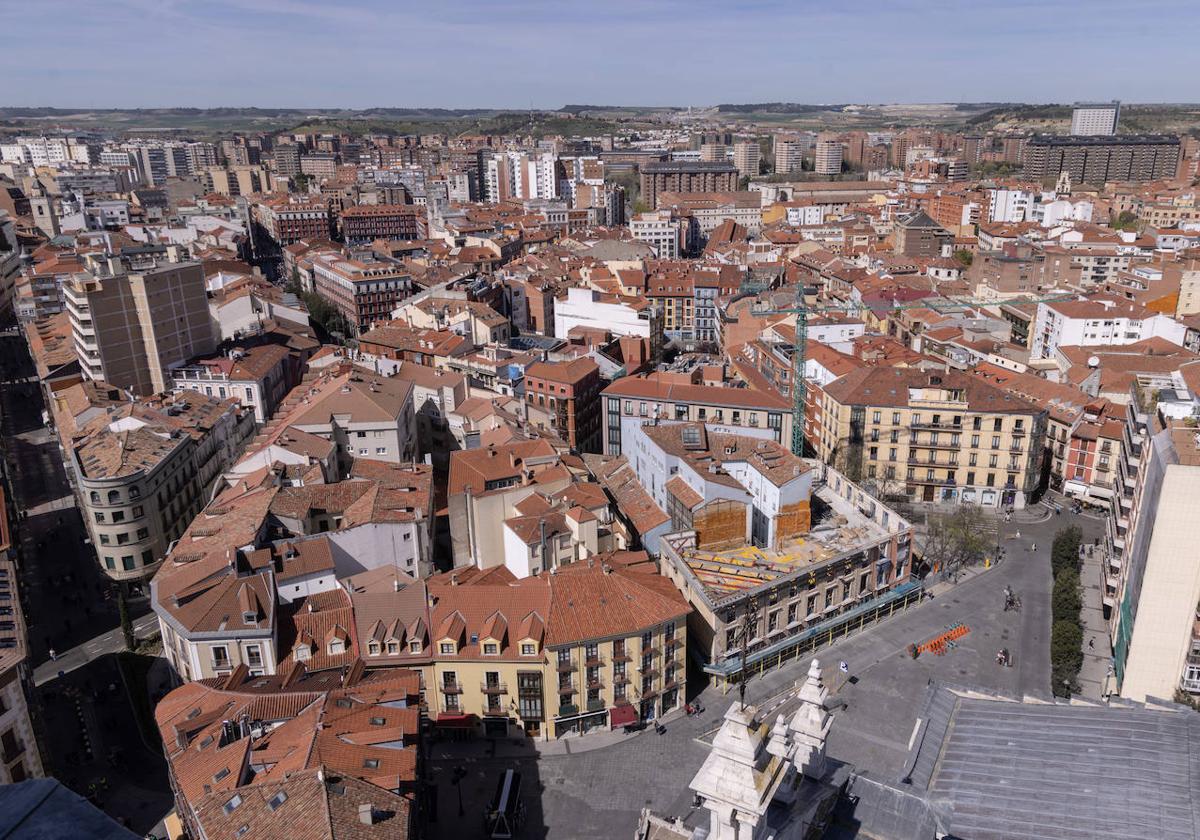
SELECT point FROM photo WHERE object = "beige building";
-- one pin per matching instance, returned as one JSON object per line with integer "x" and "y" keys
{"x": 943, "y": 436}
{"x": 144, "y": 470}
{"x": 135, "y": 317}
{"x": 747, "y": 155}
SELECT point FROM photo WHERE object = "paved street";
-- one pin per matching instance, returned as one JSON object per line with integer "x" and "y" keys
{"x": 106, "y": 643}
{"x": 598, "y": 794}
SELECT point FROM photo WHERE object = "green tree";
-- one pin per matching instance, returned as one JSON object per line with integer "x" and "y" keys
{"x": 1065, "y": 602}
{"x": 959, "y": 538}
{"x": 965, "y": 257}
{"x": 1126, "y": 220}
{"x": 1066, "y": 655}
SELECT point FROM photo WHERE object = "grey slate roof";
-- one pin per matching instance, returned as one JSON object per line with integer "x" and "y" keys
{"x": 42, "y": 809}
{"x": 1003, "y": 769}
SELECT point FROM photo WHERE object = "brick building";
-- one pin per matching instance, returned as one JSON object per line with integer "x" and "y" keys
{"x": 366, "y": 222}
{"x": 571, "y": 392}
{"x": 686, "y": 177}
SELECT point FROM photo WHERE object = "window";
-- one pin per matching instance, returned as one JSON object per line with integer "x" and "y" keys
{"x": 143, "y": 533}
{"x": 380, "y": 450}
{"x": 975, "y": 441}
{"x": 99, "y": 516}
{"x": 971, "y": 477}
{"x": 373, "y": 648}
{"x": 976, "y": 423}
{"x": 232, "y": 805}
{"x": 127, "y": 563}
{"x": 812, "y": 604}
{"x": 95, "y": 497}
{"x": 491, "y": 648}
{"x": 118, "y": 516}
{"x": 991, "y": 480}
{"x": 104, "y": 540}
{"x": 278, "y": 799}
{"x": 446, "y": 648}
{"x": 528, "y": 649}
{"x": 876, "y": 417}
{"x": 371, "y": 763}
{"x": 138, "y": 510}
{"x": 995, "y": 441}
{"x": 829, "y": 597}
{"x": 110, "y": 563}
{"x": 895, "y": 419}
{"x": 413, "y": 647}
{"x": 997, "y": 425}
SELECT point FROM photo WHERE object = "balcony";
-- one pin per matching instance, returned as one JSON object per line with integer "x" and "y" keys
{"x": 594, "y": 661}
{"x": 595, "y": 684}
{"x": 672, "y": 643}
{"x": 928, "y": 444}
{"x": 949, "y": 427}
{"x": 651, "y": 650}
{"x": 493, "y": 688}
{"x": 622, "y": 657}
{"x": 451, "y": 687}
{"x": 568, "y": 709}
{"x": 566, "y": 689}
{"x": 595, "y": 705}
{"x": 620, "y": 679}
{"x": 566, "y": 666}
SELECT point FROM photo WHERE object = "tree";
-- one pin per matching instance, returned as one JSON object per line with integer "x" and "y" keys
{"x": 1064, "y": 553}
{"x": 1126, "y": 220}
{"x": 1066, "y": 655}
{"x": 1065, "y": 602}
{"x": 126, "y": 622}
{"x": 965, "y": 257}
{"x": 959, "y": 538}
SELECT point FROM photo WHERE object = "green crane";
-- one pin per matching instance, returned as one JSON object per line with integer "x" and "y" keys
{"x": 802, "y": 310}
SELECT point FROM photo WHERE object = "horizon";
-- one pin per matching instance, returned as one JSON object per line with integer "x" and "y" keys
{"x": 152, "y": 51}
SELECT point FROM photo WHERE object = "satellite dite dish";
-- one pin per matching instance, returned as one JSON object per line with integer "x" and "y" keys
{"x": 1093, "y": 361}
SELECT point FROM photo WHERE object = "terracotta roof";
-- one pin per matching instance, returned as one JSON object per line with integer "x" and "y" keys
{"x": 595, "y": 600}
{"x": 876, "y": 386}
{"x": 654, "y": 387}
{"x": 631, "y": 498}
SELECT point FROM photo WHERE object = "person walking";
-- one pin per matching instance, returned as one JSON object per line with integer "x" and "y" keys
{"x": 1092, "y": 643}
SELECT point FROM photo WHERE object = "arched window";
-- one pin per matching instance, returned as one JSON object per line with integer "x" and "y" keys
{"x": 95, "y": 497}
{"x": 113, "y": 497}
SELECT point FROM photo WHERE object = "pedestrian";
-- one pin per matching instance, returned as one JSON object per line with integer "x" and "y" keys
{"x": 1033, "y": 546}
{"x": 53, "y": 655}
{"x": 1018, "y": 533}
{"x": 1092, "y": 643}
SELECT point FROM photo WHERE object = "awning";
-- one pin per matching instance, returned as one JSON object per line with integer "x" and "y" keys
{"x": 454, "y": 721}
{"x": 622, "y": 714}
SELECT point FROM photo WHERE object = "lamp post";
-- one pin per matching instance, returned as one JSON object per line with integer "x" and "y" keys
{"x": 456, "y": 779}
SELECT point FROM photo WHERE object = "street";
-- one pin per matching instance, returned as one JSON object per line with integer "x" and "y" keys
{"x": 87, "y": 728}
{"x": 599, "y": 793}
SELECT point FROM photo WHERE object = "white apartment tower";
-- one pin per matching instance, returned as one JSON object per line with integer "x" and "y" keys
{"x": 1095, "y": 118}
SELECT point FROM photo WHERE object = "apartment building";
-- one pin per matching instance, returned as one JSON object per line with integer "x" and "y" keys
{"x": 918, "y": 235}
{"x": 661, "y": 231}
{"x": 595, "y": 645}
{"x": 632, "y": 401}
{"x": 252, "y": 751}
{"x": 145, "y": 469}
{"x": 1095, "y": 118}
{"x": 1099, "y": 159}
{"x": 570, "y": 393}
{"x": 1152, "y": 605}
{"x": 19, "y": 755}
{"x": 1098, "y": 321}
{"x": 711, "y": 209}
{"x": 257, "y": 377}
{"x": 137, "y": 316}
{"x": 286, "y": 221}
{"x": 747, "y": 158}
{"x": 363, "y": 291}
{"x": 364, "y": 223}
{"x": 827, "y": 156}
{"x": 789, "y": 154}
{"x": 486, "y": 484}
{"x": 617, "y": 314}
{"x": 685, "y": 177}
{"x": 936, "y": 436}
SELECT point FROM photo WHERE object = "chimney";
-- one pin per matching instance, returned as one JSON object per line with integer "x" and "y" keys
{"x": 366, "y": 814}
{"x": 396, "y": 585}
{"x": 454, "y": 579}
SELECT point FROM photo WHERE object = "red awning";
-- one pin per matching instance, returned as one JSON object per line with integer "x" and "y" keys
{"x": 622, "y": 714}
{"x": 449, "y": 719}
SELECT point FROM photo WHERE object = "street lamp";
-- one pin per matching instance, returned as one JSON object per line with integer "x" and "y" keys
{"x": 456, "y": 779}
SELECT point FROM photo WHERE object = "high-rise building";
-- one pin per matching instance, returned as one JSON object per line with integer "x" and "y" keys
{"x": 1099, "y": 159}
{"x": 746, "y": 158}
{"x": 828, "y": 156}
{"x": 789, "y": 155}
{"x": 135, "y": 317}
{"x": 1089, "y": 119}
{"x": 714, "y": 152}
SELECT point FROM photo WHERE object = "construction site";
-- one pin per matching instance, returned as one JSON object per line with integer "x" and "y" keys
{"x": 770, "y": 604}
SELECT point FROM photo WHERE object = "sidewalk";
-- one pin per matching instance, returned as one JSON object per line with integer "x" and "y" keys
{"x": 1093, "y": 676}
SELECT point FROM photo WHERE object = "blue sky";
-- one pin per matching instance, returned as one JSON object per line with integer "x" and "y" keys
{"x": 517, "y": 53}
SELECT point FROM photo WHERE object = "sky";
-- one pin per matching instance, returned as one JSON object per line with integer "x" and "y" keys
{"x": 535, "y": 53}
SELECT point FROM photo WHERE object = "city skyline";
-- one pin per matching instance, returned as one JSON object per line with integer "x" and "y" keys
{"x": 243, "y": 53}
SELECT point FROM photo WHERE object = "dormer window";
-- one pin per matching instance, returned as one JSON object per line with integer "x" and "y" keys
{"x": 446, "y": 648}
{"x": 528, "y": 649}
{"x": 393, "y": 648}
{"x": 491, "y": 649}
{"x": 336, "y": 646}
{"x": 373, "y": 648}
{"x": 249, "y": 618}
{"x": 414, "y": 646}
{"x": 303, "y": 654}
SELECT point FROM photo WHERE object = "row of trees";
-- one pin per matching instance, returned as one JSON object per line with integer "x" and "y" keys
{"x": 1066, "y": 629}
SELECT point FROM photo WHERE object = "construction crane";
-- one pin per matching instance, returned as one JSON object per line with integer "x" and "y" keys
{"x": 802, "y": 310}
